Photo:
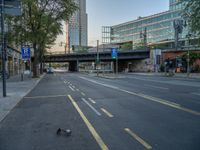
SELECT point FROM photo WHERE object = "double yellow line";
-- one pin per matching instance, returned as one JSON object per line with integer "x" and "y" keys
{"x": 89, "y": 125}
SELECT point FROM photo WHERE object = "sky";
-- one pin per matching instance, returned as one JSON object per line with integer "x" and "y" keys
{"x": 113, "y": 12}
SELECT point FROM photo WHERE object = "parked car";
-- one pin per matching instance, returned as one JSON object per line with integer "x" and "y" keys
{"x": 50, "y": 70}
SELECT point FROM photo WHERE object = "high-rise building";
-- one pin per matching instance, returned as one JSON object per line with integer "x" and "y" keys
{"x": 76, "y": 27}
{"x": 154, "y": 29}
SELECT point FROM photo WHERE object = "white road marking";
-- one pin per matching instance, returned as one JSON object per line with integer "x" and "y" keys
{"x": 173, "y": 82}
{"x": 96, "y": 111}
{"x": 147, "y": 97}
{"x": 77, "y": 89}
{"x": 196, "y": 94}
{"x": 158, "y": 87}
{"x": 82, "y": 93}
{"x": 107, "y": 113}
{"x": 71, "y": 88}
{"x": 91, "y": 100}
{"x": 89, "y": 125}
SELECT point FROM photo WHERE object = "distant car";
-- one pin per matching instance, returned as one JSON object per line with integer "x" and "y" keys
{"x": 50, "y": 70}
{"x": 7, "y": 75}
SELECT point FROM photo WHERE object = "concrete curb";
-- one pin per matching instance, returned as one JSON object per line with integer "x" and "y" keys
{"x": 6, "y": 112}
{"x": 111, "y": 77}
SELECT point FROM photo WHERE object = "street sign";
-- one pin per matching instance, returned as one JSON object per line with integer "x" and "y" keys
{"x": 26, "y": 53}
{"x": 114, "y": 53}
{"x": 11, "y": 3}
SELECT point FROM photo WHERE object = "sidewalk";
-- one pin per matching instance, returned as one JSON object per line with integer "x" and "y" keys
{"x": 16, "y": 90}
{"x": 181, "y": 75}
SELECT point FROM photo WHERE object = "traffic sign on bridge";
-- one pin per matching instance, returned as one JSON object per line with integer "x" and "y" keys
{"x": 114, "y": 53}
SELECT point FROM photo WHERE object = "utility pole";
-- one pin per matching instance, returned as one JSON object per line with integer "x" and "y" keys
{"x": 116, "y": 65}
{"x": 178, "y": 28}
{"x": 97, "y": 61}
{"x": 143, "y": 36}
{"x": 188, "y": 63}
{"x": 188, "y": 56}
{"x": 3, "y": 49}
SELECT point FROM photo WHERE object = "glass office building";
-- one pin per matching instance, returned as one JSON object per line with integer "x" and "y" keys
{"x": 76, "y": 28}
{"x": 159, "y": 28}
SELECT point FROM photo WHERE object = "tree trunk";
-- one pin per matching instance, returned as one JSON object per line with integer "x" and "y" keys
{"x": 41, "y": 67}
{"x": 35, "y": 62}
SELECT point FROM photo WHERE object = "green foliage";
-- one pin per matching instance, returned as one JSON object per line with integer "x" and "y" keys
{"x": 40, "y": 24}
{"x": 192, "y": 15}
{"x": 193, "y": 56}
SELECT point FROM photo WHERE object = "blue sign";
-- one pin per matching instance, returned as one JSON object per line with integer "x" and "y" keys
{"x": 26, "y": 53}
{"x": 114, "y": 53}
{"x": 12, "y": 7}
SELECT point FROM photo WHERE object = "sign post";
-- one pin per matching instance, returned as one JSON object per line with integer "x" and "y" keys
{"x": 26, "y": 55}
{"x": 13, "y": 8}
{"x": 114, "y": 55}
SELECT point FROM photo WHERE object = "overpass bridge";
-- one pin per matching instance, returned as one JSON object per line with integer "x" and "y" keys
{"x": 75, "y": 58}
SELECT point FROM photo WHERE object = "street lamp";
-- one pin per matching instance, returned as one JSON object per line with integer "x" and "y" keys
{"x": 3, "y": 49}
{"x": 97, "y": 61}
{"x": 13, "y": 10}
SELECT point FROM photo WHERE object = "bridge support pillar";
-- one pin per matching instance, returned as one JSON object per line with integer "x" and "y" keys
{"x": 77, "y": 65}
{"x": 74, "y": 66}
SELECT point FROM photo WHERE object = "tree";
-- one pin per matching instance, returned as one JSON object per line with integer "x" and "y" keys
{"x": 39, "y": 25}
{"x": 192, "y": 14}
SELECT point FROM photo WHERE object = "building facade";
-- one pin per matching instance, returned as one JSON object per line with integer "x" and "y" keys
{"x": 76, "y": 27}
{"x": 154, "y": 29}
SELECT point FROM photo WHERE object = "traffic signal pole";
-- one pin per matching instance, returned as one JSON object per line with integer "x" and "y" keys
{"x": 3, "y": 49}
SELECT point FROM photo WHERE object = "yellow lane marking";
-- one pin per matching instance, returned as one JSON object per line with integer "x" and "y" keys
{"x": 147, "y": 97}
{"x": 107, "y": 113}
{"x": 91, "y": 100}
{"x": 136, "y": 137}
{"x": 89, "y": 125}
{"x": 48, "y": 96}
{"x": 82, "y": 93}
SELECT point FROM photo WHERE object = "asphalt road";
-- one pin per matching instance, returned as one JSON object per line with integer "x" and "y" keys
{"x": 131, "y": 113}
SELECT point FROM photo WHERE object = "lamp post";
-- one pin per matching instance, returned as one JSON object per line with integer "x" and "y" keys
{"x": 65, "y": 47}
{"x": 3, "y": 49}
{"x": 97, "y": 61}
{"x": 14, "y": 12}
